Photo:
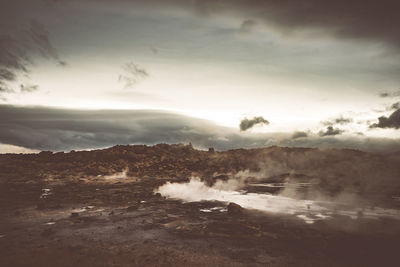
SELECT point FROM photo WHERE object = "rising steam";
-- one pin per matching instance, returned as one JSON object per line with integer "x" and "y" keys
{"x": 118, "y": 175}
{"x": 195, "y": 190}
{"x": 228, "y": 191}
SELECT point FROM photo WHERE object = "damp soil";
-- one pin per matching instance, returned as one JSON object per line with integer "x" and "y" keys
{"x": 126, "y": 224}
{"x": 82, "y": 219}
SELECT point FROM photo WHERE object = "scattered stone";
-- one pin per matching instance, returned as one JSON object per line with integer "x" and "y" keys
{"x": 235, "y": 209}
{"x": 45, "y": 193}
{"x": 74, "y": 214}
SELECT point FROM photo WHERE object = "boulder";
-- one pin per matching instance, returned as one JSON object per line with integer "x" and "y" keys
{"x": 234, "y": 209}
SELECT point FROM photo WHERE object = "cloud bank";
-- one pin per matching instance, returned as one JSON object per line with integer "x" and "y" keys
{"x": 62, "y": 129}
{"x": 353, "y": 19}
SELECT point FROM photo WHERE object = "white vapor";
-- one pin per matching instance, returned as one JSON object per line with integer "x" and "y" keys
{"x": 307, "y": 210}
{"x": 118, "y": 175}
{"x": 195, "y": 190}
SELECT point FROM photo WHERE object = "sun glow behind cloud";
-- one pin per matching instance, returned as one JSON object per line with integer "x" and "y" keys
{"x": 219, "y": 94}
{"x": 218, "y": 65}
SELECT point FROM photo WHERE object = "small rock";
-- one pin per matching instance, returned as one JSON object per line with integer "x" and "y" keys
{"x": 74, "y": 214}
{"x": 235, "y": 209}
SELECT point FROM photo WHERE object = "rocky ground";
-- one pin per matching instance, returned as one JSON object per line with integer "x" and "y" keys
{"x": 80, "y": 209}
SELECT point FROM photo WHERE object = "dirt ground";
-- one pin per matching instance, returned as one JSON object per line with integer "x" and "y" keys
{"x": 87, "y": 220}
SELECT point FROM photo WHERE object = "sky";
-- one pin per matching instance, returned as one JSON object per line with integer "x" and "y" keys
{"x": 94, "y": 73}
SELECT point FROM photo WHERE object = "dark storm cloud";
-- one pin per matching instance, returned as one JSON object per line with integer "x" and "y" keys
{"x": 393, "y": 121}
{"x": 356, "y": 19}
{"x": 154, "y": 50}
{"x": 364, "y": 19}
{"x": 61, "y": 129}
{"x": 40, "y": 38}
{"x": 389, "y": 94}
{"x": 340, "y": 120}
{"x": 16, "y": 49}
{"x": 22, "y": 38}
{"x": 383, "y": 94}
{"x": 13, "y": 59}
{"x": 395, "y": 106}
{"x": 28, "y": 88}
{"x": 132, "y": 74}
{"x": 299, "y": 135}
{"x": 330, "y": 131}
{"x": 6, "y": 75}
{"x": 246, "y": 123}
{"x": 247, "y": 26}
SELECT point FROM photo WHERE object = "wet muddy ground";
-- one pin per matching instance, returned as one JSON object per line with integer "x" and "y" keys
{"x": 99, "y": 208}
{"x": 114, "y": 223}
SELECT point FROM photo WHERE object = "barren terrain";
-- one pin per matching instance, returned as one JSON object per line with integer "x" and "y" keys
{"x": 118, "y": 207}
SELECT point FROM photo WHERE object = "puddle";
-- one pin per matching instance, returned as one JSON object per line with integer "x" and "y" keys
{"x": 98, "y": 210}
{"x": 50, "y": 223}
{"x": 306, "y": 219}
{"x": 46, "y": 192}
{"x": 218, "y": 209}
{"x": 396, "y": 198}
{"x": 79, "y": 210}
{"x": 281, "y": 185}
{"x": 322, "y": 216}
